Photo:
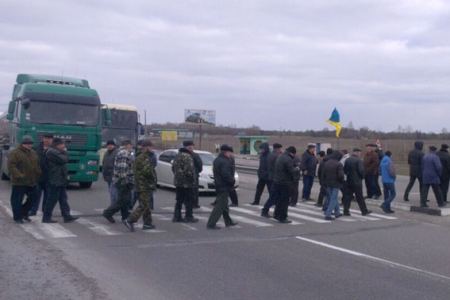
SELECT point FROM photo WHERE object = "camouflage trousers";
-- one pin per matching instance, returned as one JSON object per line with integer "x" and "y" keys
{"x": 143, "y": 209}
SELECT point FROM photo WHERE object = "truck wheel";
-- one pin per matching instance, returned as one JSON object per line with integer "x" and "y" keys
{"x": 85, "y": 184}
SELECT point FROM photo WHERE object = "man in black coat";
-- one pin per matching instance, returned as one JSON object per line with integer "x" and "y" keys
{"x": 198, "y": 164}
{"x": 415, "y": 157}
{"x": 308, "y": 167}
{"x": 224, "y": 183}
{"x": 444, "y": 157}
{"x": 283, "y": 177}
{"x": 273, "y": 196}
{"x": 263, "y": 173}
{"x": 108, "y": 168}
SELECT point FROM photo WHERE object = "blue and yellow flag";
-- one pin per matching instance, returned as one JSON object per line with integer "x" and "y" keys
{"x": 335, "y": 121}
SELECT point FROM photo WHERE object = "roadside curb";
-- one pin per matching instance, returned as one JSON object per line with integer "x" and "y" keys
{"x": 412, "y": 208}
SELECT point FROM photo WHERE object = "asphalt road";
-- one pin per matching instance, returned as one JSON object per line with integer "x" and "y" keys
{"x": 400, "y": 256}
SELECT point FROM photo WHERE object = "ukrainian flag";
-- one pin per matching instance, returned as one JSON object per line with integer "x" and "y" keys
{"x": 335, "y": 121}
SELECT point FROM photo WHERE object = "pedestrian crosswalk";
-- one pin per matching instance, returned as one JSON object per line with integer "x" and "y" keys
{"x": 246, "y": 215}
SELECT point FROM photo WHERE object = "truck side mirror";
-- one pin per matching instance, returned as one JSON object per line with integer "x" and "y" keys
{"x": 107, "y": 117}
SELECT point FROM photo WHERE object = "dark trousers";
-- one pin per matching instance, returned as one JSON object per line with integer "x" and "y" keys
{"x": 308, "y": 182}
{"x": 369, "y": 179}
{"x": 273, "y": 198}
{"x": 196, "y": 193}
{"x": 220, "y": 209}
{"x": 357, "y": 190}
{"x": 124, "y": 197}
{"x": 56, "y": 194}
{"x": 19, "y": 208}
{"x": 41, "y": 188}
{"x": 260, "y": 189}
{"x": 233, "y": 197}
{"x": 186, "y": 196}
{"x": 412, "y": 179}
{"x": 281, "y": 209}
{"x": 376, "y": 185}
{"x": 322, "y": 194}
{"x": 294, "y": 192}
{"x": 444, "y": 186}
{"x": 437, "y": 193}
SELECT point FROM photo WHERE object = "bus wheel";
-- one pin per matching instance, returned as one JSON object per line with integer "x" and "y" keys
{"x": 85, "y": 184}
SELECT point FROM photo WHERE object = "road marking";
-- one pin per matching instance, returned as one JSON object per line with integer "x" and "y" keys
{"x": 97, "y": 227}
{"x": 369, "y": 257}
{"x": 244, "y": 219}
{"x": 318, "y": 214}
{"x": 55, "y": 230}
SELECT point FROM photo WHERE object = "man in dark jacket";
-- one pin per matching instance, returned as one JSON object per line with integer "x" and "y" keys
{"x": 415, "y": 157}
{"x": 23, "y": 166}
{"x": 444, "y": 157}
{"x": 333, "y": 178}
{"x": 308, "y": 167}
{"x": 57, "y": 158}
{"x": 293, "y": 198}
{"x": 371, "y": 164}
{"x": 323, "y": 190}
{"x": 380, "y": 155}
{"x": 198, "y": 164}
{"x": 354, "y": 170}
{"x": 108, "y": 168}
{"x": 224, "y": 183}
{"x": 263, "y": 173}
{"x": 273, "y": 196}
{"x": 282, "y": 178}
{"x": 41, "y": 186}
{"x": 431, "y": 171}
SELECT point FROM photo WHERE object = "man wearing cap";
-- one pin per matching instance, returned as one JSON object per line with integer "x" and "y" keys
{"x": 24, "y": 170}
{"x": 308, "y": 167}
{"x": 57, "y": 158}
{"x": 354, "y": 170}
{"x": 282, "y": 178}
{"x": 224, "y": 183}
{"x": 144, "y": 185}
{"x": 263, "y": 174}
{"x": 123, "y": 180}
{"x": 273, "y": 196}
{"x": 444, "y": 157}
{"x": 108, "y": 168}
{"x": 371, "y": 163}
{"x": 431, "y": 170}
{"x": 41, "y": 186}
{"x": 184, "y": 172}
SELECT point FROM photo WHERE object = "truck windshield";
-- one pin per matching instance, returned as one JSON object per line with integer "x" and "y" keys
{"x": 43, "y": 112}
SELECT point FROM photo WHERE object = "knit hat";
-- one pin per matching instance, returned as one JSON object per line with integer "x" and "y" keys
{"x": 126, "y": 142}
{"x": 225, "y": 147}
{"x": 27, "y": 139}
{"x": 110, "y": 142}
{"x": 291, "y": 149}
{"x": 432, "y": 148}
{"x": 57, "y": 141}
{"x": 146, "y": 143}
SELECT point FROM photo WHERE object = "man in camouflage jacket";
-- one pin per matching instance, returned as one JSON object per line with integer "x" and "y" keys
{"x": 144, "y": 185}
{"x": 184, "y": 180}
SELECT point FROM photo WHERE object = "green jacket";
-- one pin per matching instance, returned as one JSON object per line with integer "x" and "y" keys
{"x": 23, "y": 166}
{"x": 184, "y": 170}
{"x": 144, "y": 173}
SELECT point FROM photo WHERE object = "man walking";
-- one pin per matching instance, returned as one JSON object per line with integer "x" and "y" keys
{"x": 198, "y": 164}
{"x": 184, "y": 172}
{"x": 371, "y": 171}
{"x": 263, "y": 174}
{"x": 273, "y": 196}
{"x": 108, "y": 168}
{"x": 354, "y": 170}
{"x": 308, "y": 167}
{"x": 282, "y": 178}
{"x": 431, "y": 170}
{"x": 415, "y": 158}
{"x": 24, "y": 170}
{"x": 144, "y": 185}
{"x": 57, "y": 158}
{"x": 444, "y": 157}
{"x": 224, "y": 183}
{"x": 42, "y": 184}
{"x": 387, "y": 171}
{"x": 123, "y": 180}
{"x": 333, "y": 178}
{"x": 293, "y": 194}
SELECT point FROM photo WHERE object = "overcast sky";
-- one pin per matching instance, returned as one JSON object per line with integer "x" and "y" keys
{"x": 281, "y": 64}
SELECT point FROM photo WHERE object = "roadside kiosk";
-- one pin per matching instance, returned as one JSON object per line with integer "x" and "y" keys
{"x": 250, "y": 144}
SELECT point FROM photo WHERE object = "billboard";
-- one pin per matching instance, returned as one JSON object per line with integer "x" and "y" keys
{"x": 167, "y": 135}
{"x": 200, "y": 116}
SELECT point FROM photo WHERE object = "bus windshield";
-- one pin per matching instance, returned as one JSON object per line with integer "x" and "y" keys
{"x": 123, "y": 126}
{"x": 43, "y": 112}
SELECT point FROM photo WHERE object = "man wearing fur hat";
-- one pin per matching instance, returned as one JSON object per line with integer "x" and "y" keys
{"x": 24, "y": 170}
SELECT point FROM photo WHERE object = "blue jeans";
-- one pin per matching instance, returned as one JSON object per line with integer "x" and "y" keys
{"x": 389, "y": 194}
{"x": 112, "y": 192}
{"x": 332, "y": 196}
{"x": 308, "y": 181}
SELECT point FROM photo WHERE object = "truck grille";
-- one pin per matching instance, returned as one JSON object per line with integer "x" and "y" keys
{"x": 69, "y": 138}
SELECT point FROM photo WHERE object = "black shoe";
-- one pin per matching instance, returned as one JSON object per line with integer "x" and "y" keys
{"x": 292, "y": 204}
{"x": 31, "y": 213}
{"x": 423, "y": 205}
{"x": 26, "y": 218}
{"x": 384, "y": 208}
{"x": 72, "y": 218}
{"x": 405, "y": 199}
{"x": 109, "y": 218}
{"x": 213, "y": 203}
{"x": 233, "y": 205}
{"x": 329, "y": 218}
{"x": 266, "y": 215}
{"x": 254, "y": 203}
{"x": 318, "y": 204}
{"x": 347, "y": 214}
{"x": 49, "y": 221}
{"x": 231, "y": 224}
{"x": 338, "y": 216}
{"x": 148, "y": 226}
{"x": 276, "y": 217}
{"x": 19, "y": 221}
{"x": 196, "y": 206}
{"x": 177, "y": 220}
{"x": 309, "y": 199}
{"x": 190, "y": 220}
{"x": 285, "y": 221}
{"x": 368, "y": 212}
{"x": 129, "y": 225}
{"x": 213, "y": 227}
{"x": 377, "y": 197}
{"x": 391, "y": 211}
{"x": 442, "y": 205}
